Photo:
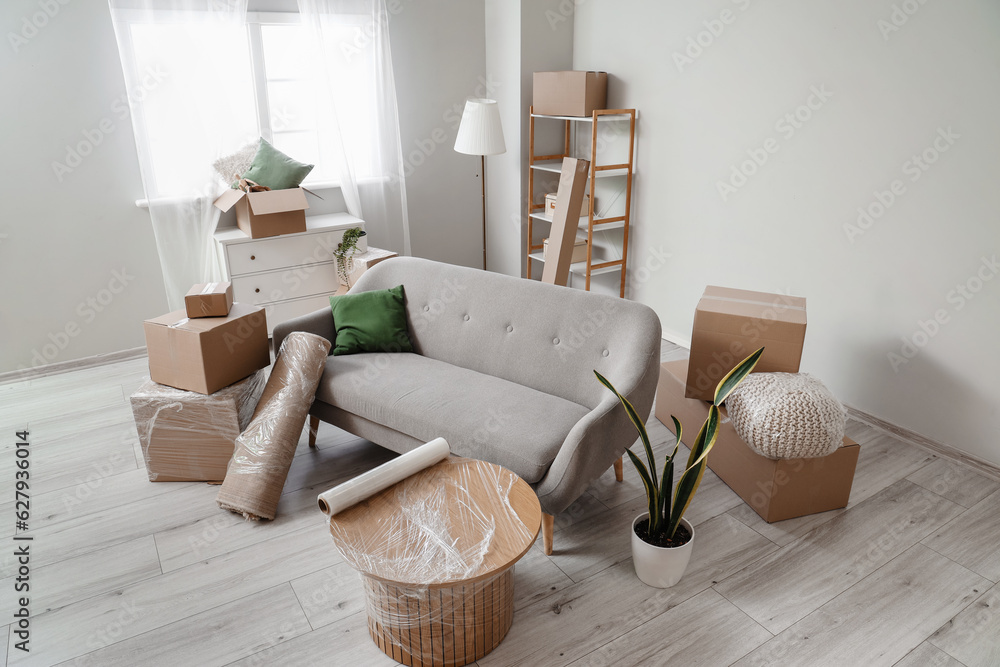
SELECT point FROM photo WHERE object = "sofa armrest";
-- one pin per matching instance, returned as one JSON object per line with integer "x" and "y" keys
{"x": 319, "y": 322}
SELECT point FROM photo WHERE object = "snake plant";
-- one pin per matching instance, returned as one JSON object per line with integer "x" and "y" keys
{"x": 665, "y": 513}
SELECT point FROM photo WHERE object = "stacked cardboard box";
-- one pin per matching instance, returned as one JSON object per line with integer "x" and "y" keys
{"x": 729, "y": 326}
{"x": 209, "y": 300}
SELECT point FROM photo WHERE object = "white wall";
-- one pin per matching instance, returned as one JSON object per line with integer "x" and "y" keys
{"x": 61, "y": 242}
{"x": 892, "y": 91}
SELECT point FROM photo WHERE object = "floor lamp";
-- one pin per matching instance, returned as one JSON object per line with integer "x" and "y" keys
{"x": 480, "y": 134}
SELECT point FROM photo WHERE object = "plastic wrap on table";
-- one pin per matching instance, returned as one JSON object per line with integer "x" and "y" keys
{"x": 787, "y": 416}
{"x": 436, "y": 553}
{"x": 190, "y": 437}
{"x": 264, "y": 451}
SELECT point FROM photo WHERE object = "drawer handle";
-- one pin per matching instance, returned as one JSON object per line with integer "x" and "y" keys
{"x": 257, "y": 290}
{"x": 253, "y": 256}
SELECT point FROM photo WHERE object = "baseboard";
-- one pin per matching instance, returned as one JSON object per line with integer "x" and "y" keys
{"x": 675, "y": 338}
{"x": 933, "y": 446}
{"x": 71, "y": 365}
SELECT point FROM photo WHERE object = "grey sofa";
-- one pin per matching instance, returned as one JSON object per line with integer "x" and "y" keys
{"x": 503, "y": 370}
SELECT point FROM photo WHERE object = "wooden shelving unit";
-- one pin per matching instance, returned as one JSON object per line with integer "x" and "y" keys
{"x": 553, "y": 164}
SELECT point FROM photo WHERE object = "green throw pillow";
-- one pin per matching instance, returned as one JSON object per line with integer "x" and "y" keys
{"x": 370, "y": 322}
{"x": 276, "y": 170}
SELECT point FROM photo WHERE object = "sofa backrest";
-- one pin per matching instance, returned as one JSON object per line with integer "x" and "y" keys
{"x": 542, "y": 336}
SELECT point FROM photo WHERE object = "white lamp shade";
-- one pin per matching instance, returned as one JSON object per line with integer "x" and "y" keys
{"x": 480, "y": 132}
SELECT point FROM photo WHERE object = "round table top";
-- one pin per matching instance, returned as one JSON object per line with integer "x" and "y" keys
{"x": 459, "y": 521}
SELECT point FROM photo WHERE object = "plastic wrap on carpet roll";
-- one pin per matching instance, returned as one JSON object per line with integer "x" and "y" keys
{"x": 353, "y": 491}
{"x": 787, "y": 416}
{"x": 264, "y": 451}
{"x": 190, "y": 437}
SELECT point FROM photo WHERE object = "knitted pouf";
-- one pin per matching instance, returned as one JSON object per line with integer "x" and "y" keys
{"x": 786, "y": 415}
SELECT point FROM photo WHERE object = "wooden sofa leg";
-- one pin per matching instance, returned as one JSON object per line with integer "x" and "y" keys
{"x": 547, "y": 524}
{"x": 620, "y": 469}
{"x": 313, "y": 430}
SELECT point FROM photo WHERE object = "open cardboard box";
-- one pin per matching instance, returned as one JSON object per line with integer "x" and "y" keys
{"x": 269, "y": 213}
{"x": 775, "y": 489}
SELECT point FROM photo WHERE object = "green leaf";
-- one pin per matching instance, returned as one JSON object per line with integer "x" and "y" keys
{"x": 735, "y": 376}
{"x": 640, "y": 426}
{"x": 691, "y": 479}
{"x": 653, "y": 501}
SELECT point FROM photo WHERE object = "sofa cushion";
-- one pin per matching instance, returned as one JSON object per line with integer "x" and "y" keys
{"x": 481, "y": 416}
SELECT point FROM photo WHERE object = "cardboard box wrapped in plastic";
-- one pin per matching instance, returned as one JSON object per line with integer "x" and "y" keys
{"x": 777, "y": 489}
{"x": 190, "y": 437}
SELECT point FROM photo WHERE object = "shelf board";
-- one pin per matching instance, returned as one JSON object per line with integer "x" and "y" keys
{"x": 579, "y": 268}
{"x": 583, "y": 223}
{"x": 555, "y": 166}
{"x": 588, "y": 119}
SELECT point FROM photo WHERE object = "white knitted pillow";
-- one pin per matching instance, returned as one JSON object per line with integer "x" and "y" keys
{"x": 786, "y": 415}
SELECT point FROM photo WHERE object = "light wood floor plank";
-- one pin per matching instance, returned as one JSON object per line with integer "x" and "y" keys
{"x": 879, "y": 620}
{"x": 537, "y": 577}
{"x": 68, "y": 581}
{"x": 37, "y": 404}
{"x": 928, "y": 655}
{"x": 973, "y": 539}
{"x": 330, "y": 595}
{"x": 859, "y": 432}
{"x": 705, "y": 630}
{"x": 147, "y": 605}
{"x": 211, "y": 638}
{"x": 973, "y": 636}
{"x": 583, "y": 617}
{"x": 956, "y": 482}
{"x": 345, "y": 643}
{"x": 883, "y": 461}
{"x": 791, "y": 583}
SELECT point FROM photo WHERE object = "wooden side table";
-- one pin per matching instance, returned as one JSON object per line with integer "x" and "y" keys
{"x": 436, "y": 553}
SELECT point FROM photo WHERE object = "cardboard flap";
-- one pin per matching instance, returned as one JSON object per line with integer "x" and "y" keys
{"x": 277, "y": 201}
{"x": 228, "y": 199}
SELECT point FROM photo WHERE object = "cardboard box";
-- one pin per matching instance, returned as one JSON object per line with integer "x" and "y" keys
{"x": 270, "y": 213}
{"x": 729, "y": 324}
{"x": 209, "y": 300}
{"x": 189, "y": 437}
{"x": 579, "y": 250}
{"x": 205, "y": 354}
{"x": 559, "y": 255}
{"x": 366, "y": 260}
{"x": 550, "y": 206}
{"x": 775, "y": 489}
{"x": 569, "y": 93}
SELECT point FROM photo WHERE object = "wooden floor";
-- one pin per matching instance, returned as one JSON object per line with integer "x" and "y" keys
{"x": 126, "y": 572}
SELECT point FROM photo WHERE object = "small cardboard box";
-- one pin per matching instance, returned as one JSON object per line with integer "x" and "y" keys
{"x": 729, "y": 324}
{"x": 579, "y": 250}
{"x": 569, "y": 93}
{"x": 270, "y": 213}
{"x": 189, "y": 437}
{"x": 205, "y": 354}
{"x": 550, "y": 206}
{"x": 776, "y": 489}
{"x": 209, "y": 300}
{"x": 366, "y": 260}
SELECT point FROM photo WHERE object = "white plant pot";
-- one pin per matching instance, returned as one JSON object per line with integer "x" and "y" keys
{"x": 660, "y": 567}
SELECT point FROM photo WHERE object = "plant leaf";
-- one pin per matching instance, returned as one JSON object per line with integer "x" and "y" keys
{"x": 640, "y": 426}
{"x": 691, "y": 479}
{"x": 652, "y": 498}
{"x": 735, "y": 376}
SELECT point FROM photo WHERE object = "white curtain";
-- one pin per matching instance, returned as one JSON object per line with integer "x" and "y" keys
{"x": 191, "y": 98}
{"x": 349, "y": 39}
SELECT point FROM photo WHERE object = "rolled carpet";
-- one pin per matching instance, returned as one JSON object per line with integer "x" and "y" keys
{"x": 264, "y": 451}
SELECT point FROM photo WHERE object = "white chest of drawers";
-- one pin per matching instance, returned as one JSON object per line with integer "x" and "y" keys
{"x": 289, "y": 275}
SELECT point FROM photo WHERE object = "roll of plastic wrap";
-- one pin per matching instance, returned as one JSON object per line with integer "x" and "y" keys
{"x": 366, "y": 485}
{"x": 264, "y": 451}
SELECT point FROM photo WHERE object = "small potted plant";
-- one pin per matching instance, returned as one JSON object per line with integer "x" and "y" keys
{"x": 662, "y": 538}
{"x": 344, "y": 253}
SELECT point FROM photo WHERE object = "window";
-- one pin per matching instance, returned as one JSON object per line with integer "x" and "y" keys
{"x": 274, "y": 92}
